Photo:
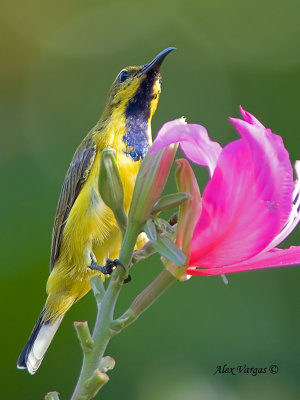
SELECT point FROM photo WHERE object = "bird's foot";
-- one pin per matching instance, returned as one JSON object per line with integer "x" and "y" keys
{"x": 108, "y": 268}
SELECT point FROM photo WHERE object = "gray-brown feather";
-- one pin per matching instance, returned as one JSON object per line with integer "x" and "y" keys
{"x": 77, "y": 174}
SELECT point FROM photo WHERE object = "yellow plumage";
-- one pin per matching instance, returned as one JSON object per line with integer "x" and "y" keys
{"x": 92, "y": 220}
{"x": 84, "y": 227}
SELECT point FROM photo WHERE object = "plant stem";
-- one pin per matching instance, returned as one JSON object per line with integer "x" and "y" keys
{"x": 84, "y": 336}
{"x": 92, "y": 376}
{"x": 144, "y": 300}
{"x": 102, "y": 331}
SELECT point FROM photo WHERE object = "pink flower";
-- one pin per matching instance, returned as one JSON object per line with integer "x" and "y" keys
{"x": 249, "y": 205}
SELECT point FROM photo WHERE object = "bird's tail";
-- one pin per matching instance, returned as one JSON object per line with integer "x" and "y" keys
{"x": 41, "y": 336}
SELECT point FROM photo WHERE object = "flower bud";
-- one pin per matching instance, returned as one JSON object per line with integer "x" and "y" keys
{"x": 150, "y": 182}
{"x": 188, "y": 214}
{"x": 110, "y": 186}
{"x": 170, "y": 201}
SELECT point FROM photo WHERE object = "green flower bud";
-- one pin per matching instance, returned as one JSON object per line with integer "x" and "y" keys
{"x": 170, "y": 201}
{"x": 150, "y": 182}
{"x": 110, "y": 186}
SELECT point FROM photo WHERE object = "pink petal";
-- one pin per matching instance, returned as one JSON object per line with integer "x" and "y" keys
{"x": 271, "y": 165}
{"x": 250, "y": 118}
{"x": 194, "y": 142}
{"x": 240, "y": 211}
{"x": 272, "y": 258}
{"x": 168, "y": 133}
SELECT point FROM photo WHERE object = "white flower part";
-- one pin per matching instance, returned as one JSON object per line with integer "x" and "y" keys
{"x": 294, "y": 216}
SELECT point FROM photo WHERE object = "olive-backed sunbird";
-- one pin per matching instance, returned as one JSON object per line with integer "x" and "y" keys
{"x": 85, "y": 229}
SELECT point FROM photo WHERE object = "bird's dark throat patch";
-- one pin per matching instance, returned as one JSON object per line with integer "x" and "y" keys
{"x": 137, "y": 115}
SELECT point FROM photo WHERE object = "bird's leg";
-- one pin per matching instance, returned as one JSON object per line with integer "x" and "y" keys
{"x": 108, "y": 268}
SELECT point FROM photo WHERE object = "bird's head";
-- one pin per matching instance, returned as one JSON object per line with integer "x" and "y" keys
{"x": 136, "y": 89}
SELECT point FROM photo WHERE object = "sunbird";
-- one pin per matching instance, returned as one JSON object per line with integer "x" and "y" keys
{"x": 85, "y": 232}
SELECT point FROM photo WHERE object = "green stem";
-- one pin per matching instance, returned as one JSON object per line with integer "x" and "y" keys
{"x": 129, "y": 241}
{"x": 152, "y": 292}
{"x": 93, "y": 384}
{"x": 121, "y": 219}
{"x": 102, "y": 331}
{"x": 91, "y": 377}
{"x": 84, "y": 336}
{"x": 144, "y": 300}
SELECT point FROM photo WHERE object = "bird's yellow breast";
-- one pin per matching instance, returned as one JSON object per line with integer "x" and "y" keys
{"x": 90, "y": 220}
{"x": 90, "y": 226}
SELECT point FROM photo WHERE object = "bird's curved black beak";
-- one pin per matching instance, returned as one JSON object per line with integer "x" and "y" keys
{"x": 157, "y": 61}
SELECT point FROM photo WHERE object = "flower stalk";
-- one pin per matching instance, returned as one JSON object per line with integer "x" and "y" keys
{"x": 144, "y": 300}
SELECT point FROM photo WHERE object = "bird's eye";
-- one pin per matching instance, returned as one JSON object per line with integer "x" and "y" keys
{"x": 123, "y": 75}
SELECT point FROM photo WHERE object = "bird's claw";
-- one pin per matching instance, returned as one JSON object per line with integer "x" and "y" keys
{"x": 111, "y": 265}
{"x": 108, "y": 268}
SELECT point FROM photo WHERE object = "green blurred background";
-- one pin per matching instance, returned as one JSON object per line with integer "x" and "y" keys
{"x": 58, "y": 60}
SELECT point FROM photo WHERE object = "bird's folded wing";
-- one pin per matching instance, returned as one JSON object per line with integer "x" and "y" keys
{"x": 76, "y": 176}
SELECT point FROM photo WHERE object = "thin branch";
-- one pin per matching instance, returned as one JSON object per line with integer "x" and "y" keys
{"x": 94, "y": 384}
{"x": 144, "y": 300}
{"x": 152, "y": 292}
{"x": 84, "y": 336}
{"x": 102, "y": 333}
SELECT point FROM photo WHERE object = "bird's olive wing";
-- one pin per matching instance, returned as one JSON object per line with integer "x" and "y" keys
{"x": 77, "y": 174}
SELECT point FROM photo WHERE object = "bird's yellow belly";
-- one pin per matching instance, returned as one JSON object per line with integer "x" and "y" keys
{"x": 89, "y": 224}
{"x": 90, "y": 227}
